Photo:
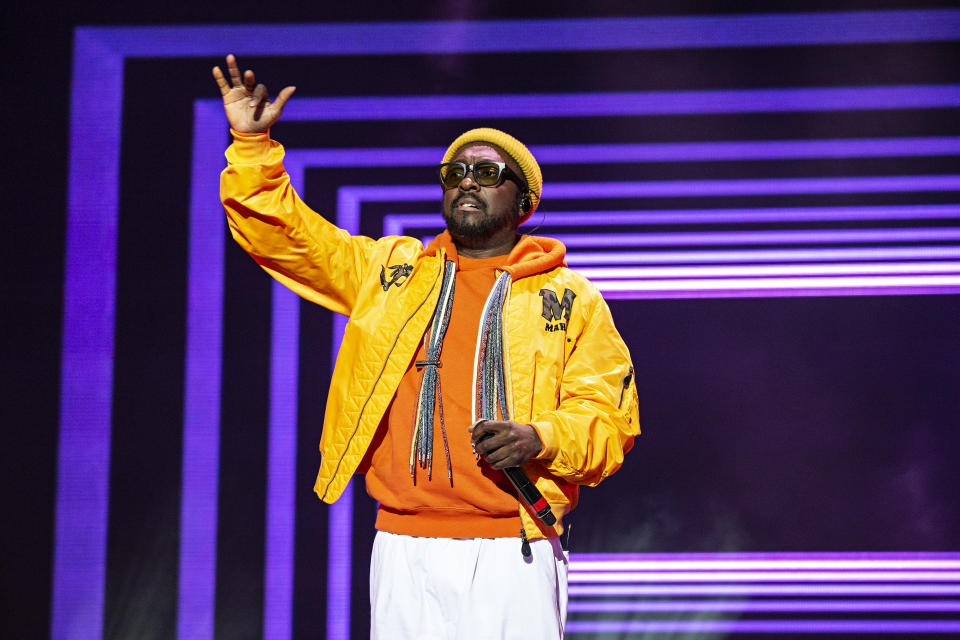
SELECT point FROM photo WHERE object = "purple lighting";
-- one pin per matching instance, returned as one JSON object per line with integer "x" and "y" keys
{"x": 764, "y": 255}
{"x": 396, "y": 223}
{"x": 86, "y": 369}
{"x": 637, "y": 103}
{"x": 281, "y": 465}
{"x": 713, "y": 271}
{"x": 717, "y": 575}
{"x": 202, "y": 379}
{"x": 810, "y": 589}
{"x": 648, "y": 152}
{"x": 584, "y": 34}
{"x": 842, "y": 606}
{"x": 92, "y": 212}
{"x": 837, "y": 580}
{"x": 763, "y": 626}
{"x": 758, "y": 237}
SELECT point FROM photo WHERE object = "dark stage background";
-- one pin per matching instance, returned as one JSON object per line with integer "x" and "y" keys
{"x": 819, "y": 423}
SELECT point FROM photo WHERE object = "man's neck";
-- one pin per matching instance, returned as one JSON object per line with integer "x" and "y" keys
{"x": 489, "y": 249}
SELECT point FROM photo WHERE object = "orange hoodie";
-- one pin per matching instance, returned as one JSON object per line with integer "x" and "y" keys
{"x": 476, "y": 500}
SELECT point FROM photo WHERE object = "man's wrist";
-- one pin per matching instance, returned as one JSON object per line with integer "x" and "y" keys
{"x": 541, "y": 429}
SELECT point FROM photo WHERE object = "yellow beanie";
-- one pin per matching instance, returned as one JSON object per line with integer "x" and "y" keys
{"x": 515, "y": 149}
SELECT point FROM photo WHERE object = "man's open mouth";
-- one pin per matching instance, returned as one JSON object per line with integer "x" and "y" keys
{"x": 468, "y": 204}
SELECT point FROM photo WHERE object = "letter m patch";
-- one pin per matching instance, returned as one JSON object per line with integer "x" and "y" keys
{"x": 557, "y": 310}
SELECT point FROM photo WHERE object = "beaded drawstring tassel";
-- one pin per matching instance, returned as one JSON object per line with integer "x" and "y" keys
{"x": 491, "y": 387}
{"x": 421, "y": 444}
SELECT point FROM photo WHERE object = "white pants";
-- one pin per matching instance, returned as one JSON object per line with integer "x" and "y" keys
{"x": 466, "y": 589}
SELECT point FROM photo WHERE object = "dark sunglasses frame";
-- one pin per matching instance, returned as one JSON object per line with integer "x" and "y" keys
{"x": 503, "y": 173}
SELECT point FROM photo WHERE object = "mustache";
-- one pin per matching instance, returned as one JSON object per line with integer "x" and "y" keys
{"x": 472, "y": 198}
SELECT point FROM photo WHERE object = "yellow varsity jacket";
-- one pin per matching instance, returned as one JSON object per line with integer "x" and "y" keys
{"x": 570, "y": 374}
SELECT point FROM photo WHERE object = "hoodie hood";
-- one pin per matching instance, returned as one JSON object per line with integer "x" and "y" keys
{"x": 531, "y": 254}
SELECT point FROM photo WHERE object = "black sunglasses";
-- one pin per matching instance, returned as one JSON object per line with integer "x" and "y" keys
{"x": 486, "y": 173}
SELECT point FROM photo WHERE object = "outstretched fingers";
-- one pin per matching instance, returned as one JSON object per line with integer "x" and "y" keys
{"x": 233, "y": 70}
{"x": 221, "y": 81}
{"x": 283, "y": 96}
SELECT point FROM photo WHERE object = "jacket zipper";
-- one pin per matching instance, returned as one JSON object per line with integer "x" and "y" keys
{"x": 380, "y": 375}
{"x": 626, "y": 383}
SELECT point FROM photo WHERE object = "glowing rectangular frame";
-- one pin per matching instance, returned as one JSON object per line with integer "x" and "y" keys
{"x": 90, "y": 274}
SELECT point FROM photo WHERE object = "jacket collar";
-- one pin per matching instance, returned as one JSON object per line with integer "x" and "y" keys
{"x": 531, "y": 254}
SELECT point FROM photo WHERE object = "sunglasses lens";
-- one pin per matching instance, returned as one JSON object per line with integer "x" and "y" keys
{"x": 451, "y": 174}
{"x": 486, "y": 173}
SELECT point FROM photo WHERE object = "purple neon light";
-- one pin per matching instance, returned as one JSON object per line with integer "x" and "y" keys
{"x": 584, "y": 34}
{"x": 782, "y": 575}
{"x": 351, "y": 197}
{"x": 635, "y": 103}
{"x": 747, "y": 150}
{"x": 749, "y": 556}
{"x": 339, "y": 538}
{"x": 781, "y": 287}
{"x": 396, "y": 223}
{"x": 340, "y": 519}
{"x": 758, "y": 237}
{"x": 649, "y": 152}
{"x": 281, "y": 465}
{"x": 762, "y": 626}
{"x": 686, "y": 188}
{"x": 576, "y": 259}
{"x": 769, "y": 186}
{"x": 845, "y": 606}
{"x": 762, "y": 561}
{"x": 86, "y": 371}
{"x": 202, "y": 378}
{"x": 769, "y": 589}
{"x": 713, "y": 271}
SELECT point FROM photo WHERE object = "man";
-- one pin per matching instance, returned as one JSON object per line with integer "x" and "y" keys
{"x": 478, "y": 353}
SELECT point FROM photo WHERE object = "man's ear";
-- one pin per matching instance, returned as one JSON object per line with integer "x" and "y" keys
{"x": 525, "y": 203}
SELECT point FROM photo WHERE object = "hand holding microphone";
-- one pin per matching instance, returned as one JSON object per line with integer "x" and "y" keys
{"x": 506, "y": 445}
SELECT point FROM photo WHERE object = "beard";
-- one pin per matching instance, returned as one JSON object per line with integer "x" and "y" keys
{"x": 474, "y": 229}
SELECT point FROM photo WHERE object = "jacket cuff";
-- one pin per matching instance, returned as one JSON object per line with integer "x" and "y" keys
{"x": 250, "y": 148}
{"x": 547, "y": 439}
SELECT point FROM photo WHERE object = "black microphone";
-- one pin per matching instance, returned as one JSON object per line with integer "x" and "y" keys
{"x": 528, "y": 491}
{"x": 531, "y": 495}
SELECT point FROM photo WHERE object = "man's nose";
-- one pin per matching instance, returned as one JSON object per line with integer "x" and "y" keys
{"x": 468, "y": 183}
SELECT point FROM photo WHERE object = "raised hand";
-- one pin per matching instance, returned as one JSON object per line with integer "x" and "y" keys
{"x": 246, "y": 103}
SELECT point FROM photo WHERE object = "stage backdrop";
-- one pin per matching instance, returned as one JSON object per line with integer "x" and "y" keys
{"x": 770, "y": 203}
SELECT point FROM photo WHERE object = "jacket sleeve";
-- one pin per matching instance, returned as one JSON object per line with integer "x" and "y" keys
{"x": 586, "y": 437}
{"x": 314, "y": 258}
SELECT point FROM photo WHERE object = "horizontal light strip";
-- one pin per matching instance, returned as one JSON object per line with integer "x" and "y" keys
{"x": 627, "y": 103}
{"x": 811, "y": 589}
{"x": 767, "y": 555}
{"x": 758, "y": 237}
{"x": 350, "y": 198}
{"x": 758, "y": 186}
{"x": 714, "y": 271}
{"x": 788, "y": 292}
{"x": 624, "y": 606}
{"x": 726, "y": 150}
{"x": 780, "y": 283}
{"x": 650, "y": 152}
{"x": 951, "y": 561}
{"x": 762, "y": 626}
{"x": 92, "y": 211}
{"x": 582, "y": 34}
{"x": 762, "y": 576}
{"x": 686, "y": 188}
{"x": 576, "y": 259}
{"x": 396, "y": 223}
